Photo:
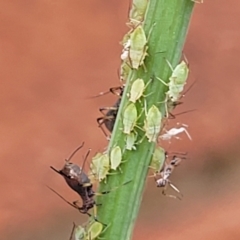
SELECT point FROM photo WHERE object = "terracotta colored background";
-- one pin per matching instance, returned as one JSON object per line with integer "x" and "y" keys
{"x": 55, "y": 54}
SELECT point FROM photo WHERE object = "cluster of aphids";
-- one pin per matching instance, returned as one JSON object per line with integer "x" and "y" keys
{"x": 135, "y": 46}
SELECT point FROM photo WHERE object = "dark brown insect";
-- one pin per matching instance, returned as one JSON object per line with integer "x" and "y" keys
{"x": 110, "y": 113}
{"x": 78, "y": 181}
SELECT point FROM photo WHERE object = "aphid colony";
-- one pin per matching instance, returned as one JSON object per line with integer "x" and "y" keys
{"x": 134, "y": 53}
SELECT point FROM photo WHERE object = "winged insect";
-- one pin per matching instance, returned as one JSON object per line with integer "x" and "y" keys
{"x": 173, "y": 132}
{"x": 165, "y": 173}
{"x": 152, "y": 123}
{"x": 130, "y": 117}
{"x": 100, "y": 166}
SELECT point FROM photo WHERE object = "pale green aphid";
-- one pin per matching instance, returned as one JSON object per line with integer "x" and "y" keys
{"x": 115, "y": 157}
{"x": 138, "y": 47}
{"x": 124, "y": 71}
{"x": 129, "y": 118}
{"x": 177, "y": 81}
{"x": 158, "y": 159}
{"x": 152, "y": 123}
{"x": 137, "y": 12}
{"x": 130, "y": 141}
{"x": 100, "y": 166}
{"x": 137, "y": 90}
{"x": 89, "y": 232}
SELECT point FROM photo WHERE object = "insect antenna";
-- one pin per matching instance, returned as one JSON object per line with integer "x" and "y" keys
{"x": 85, "y": 158}
{"x": 76, "y": 150}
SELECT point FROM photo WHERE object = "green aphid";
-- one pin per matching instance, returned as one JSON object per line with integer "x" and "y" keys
{"x": 89, "y": 232}
{"x": 152, "y": 123}
{"x": 179, "y": 74}
{"x": 130, "y": 141}
{"x": 158, "y": 159}
{"x": 130, "y": 116}
{"x": 138, "y": 47}
{"x": 137, "y": 90}
{"x": 115, "y": 157}
{"x": 124, "y": 71}
{"x": 137, "y": 12}
{"x": 100, "y": 166}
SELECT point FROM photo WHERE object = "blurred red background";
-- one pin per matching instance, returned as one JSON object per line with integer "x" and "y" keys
{"x": 53, "y": 56}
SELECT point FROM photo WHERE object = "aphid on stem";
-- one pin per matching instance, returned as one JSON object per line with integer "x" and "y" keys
{"x": 88, "y": 231}
{"x": 152, "y": 123}
{"x": 137, "y": 12}
{"x": 130, "y": 117}
{"x": 100, "y": 166}
{"x": 177, "y": 80}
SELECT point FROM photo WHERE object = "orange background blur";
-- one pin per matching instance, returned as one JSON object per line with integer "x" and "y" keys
{"x": 56, "y": 54}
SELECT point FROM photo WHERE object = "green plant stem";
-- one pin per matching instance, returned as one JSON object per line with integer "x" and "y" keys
{"x": 168, "y": 22}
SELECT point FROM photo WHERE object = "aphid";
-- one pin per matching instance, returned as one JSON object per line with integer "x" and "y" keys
{"x": 176, "y": 81}
{"x": 137, "y": 12}
{"x": 90, "y": 231}
{"x": 158, "y": 159}
{"x": 137, "y": 90}
{"x": 152, "y": 123}
{"x": 138, "y": 47}
{"x": 173, "y": 132}
{"x": 130, "y": 141}
{"x": 129, "y": 118}
{"x": 115, "y": 157}
{"x": 124, "y": 71}
{"x": 100, "y": 166}
{"x": 165, "y": 173}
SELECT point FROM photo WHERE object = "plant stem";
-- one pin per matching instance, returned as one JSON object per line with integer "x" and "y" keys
{"x": 168, "y": 21}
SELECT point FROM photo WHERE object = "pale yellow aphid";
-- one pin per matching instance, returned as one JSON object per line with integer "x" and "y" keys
{"x": 89, "y": 232}
{"x": 130, "y": 141}
{"x": 177, "y": 81}
{"x": 115, "y": 157}
{"x": 137, "y": 90}
{"x": 129, "y": 118}
{"x": 138, "y": 47}
{"x": 158, "y": 159}
{"x": 137, "y": 12}
{"x": 100, "y": 166}
{"x": 152, "y": 123}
